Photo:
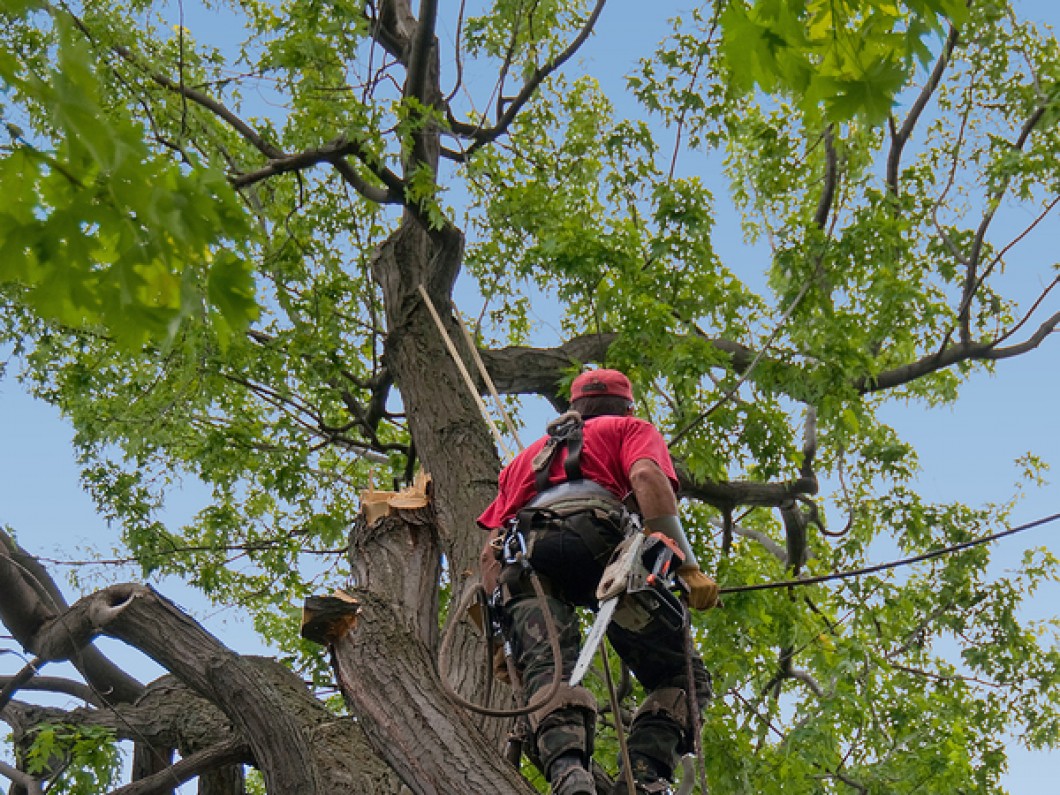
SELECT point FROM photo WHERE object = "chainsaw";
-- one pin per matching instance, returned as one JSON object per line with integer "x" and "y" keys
{"x": 635, "y": 590}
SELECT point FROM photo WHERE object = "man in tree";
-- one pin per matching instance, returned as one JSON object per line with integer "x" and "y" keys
{"x": 565, "y": 495}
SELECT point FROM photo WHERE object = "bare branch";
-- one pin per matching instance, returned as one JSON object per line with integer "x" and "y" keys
{"x": 771, "y": 546}
{"x": 973, "y": 279}
{"x": 58, "y": 684}
{"x": 215, "y": 107}
{"x": 229, "y": 753}
{"x": 483, "y": 137}
{"x": 899, "y": 138}
{"x": 335, "y": 153}
{"x": 1032, "y": 342}
{"x": 457, "y": 59}
{"x": 831, "y": 180}
{"x": 279, "y": 161}
{"x": 15, "y": 683}
{"x": 32, "y": 786}
{"x": 955, "y": 354}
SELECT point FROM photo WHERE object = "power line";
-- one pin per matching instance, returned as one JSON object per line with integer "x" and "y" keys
{"x": 844, "y": 575}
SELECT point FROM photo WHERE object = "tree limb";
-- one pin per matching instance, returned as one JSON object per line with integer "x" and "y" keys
{"x": 58, "y": 684}
{"x": 420, "y": 52}
{"x": 731, "y": 494}
{"x": 481, "y": 137}
{"x": 335, "y": 153}
{"x": 279, "y": 162}
{"x": 228, "y": 753}
{"x": 393, "y": 27}
{"x": 32, "y": 786}
{"x": 899, "y": 138}
{"x": 32, "y": 601}
{"x": 973, "y": 279}
{"x": 831, "y": 180}
{"x": 955, "y": 354}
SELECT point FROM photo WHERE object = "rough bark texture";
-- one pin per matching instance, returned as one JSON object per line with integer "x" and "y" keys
{"x": 452, "y": 440}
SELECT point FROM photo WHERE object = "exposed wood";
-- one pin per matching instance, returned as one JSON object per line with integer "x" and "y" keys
{"x": 32, "y": 601}
{"x": 325, "y": 618}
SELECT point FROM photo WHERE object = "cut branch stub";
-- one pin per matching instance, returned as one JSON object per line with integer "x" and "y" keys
{"x": 325, "y": 618}
{"x": 395, "y": 555}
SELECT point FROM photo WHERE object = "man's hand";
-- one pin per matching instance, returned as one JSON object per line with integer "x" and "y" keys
{"x": 702, "y": 590}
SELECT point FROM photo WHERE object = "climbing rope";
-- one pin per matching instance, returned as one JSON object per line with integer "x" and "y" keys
{"x": 894, "y": 564}
{"x": 538, "y": 701}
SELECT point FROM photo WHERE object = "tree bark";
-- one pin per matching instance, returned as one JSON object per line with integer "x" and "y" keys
{"x": 385, "y": 663}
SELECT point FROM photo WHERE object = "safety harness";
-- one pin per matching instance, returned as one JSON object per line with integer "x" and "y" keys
{"x": 575, "y": 504}
{"x": 564, "y": 431}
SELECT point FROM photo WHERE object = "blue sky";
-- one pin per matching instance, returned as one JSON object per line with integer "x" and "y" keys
{"x": 967, "y": 451}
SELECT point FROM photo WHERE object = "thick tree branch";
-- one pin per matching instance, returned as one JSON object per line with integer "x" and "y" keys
{"x": 57, "y": 684}
{"x": 334, "y": 153}
{"x": 420, "y": 52}
{"x": 168, "y": 716}
{"x": 524, "y": 370}
{"x": 244, "y": 692}
{"x": 726, "y": 496}
{"x": 32, "y": 602}
{"x": 393, "y": 27}
{"x": 32, "y": 786}
{"x": 955, "y": 354}
{"x": 538, "y": 371}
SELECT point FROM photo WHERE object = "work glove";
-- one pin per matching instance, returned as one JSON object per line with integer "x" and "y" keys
{"x": 702, "y": 590}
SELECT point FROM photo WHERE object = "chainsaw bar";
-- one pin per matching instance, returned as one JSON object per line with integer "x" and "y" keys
{"x": 613, "y": 584}
{"x": 593, "y": 639}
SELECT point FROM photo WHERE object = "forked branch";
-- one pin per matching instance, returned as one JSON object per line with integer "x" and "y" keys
{"x": 481, "y": 137}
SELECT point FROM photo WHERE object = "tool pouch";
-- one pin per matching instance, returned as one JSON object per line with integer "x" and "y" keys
{"x": 649, "y": 609}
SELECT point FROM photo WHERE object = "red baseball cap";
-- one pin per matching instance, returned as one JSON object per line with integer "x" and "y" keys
{"x": 597, "y": 383}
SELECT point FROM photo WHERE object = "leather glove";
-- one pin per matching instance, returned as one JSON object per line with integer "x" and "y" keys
{"x": 702, "y": 590}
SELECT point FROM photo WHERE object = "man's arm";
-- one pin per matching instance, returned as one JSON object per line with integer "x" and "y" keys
{"x": 658, "y": 507}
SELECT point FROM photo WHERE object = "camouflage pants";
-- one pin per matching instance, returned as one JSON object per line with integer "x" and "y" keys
{"x": 656, "y": 656}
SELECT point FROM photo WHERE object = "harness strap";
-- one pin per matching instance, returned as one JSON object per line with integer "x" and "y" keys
{"x": 564, "y": 431}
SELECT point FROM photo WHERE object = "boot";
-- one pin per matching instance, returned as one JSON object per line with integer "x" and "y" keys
{"x": 574, "y": 781}
{"x": 568, "y": 776}
{"x": 646, "y": 777}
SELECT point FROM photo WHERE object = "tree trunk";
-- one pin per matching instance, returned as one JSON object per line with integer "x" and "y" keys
{"x": 450, "y": 435}
{"x": 385, "y": 660}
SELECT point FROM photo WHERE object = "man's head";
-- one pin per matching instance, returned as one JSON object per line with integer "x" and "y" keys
{"x": 601, "y": 391}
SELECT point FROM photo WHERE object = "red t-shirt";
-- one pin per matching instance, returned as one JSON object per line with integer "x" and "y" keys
{"x": 610, "y": 447}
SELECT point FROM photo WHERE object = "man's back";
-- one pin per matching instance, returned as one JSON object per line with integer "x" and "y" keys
{"x": 610, "y": 447}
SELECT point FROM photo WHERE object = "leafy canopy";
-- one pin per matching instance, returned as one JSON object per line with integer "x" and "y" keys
{"x": 868, "y": 269}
